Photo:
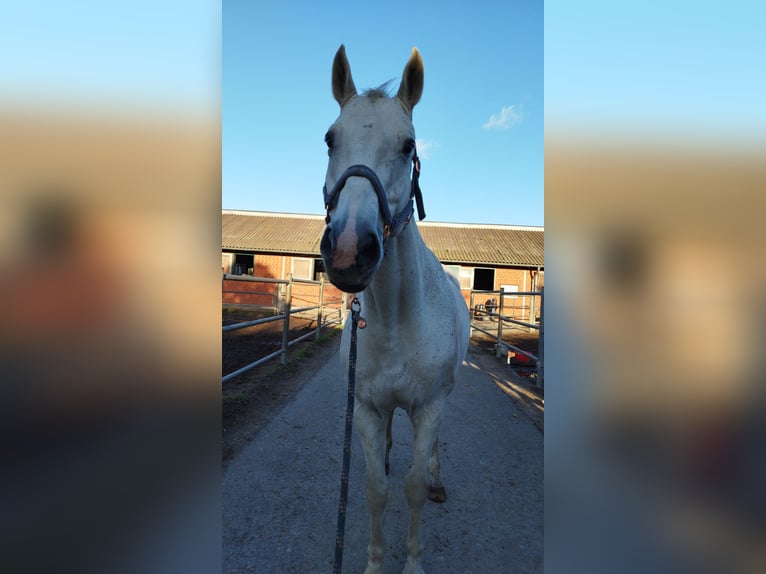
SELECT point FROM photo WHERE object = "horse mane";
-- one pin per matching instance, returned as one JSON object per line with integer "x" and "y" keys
{"x": 382, "y": 91}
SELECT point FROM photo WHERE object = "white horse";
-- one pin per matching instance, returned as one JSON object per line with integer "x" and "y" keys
{"x": 416, "y": 337}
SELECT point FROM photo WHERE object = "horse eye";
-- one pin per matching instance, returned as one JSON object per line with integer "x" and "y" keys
{"x": 408, "y": 146}
{"x": 329, "y": 139}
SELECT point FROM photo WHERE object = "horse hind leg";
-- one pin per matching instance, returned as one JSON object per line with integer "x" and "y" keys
{"x": 425, "y": 424}
{"x": 436, "y": 491}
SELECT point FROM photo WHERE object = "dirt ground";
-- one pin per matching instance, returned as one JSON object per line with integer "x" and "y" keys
{"x": 520, "y": 337}
{"x": 280, "y": 482}
{"x": 252, "y": 399}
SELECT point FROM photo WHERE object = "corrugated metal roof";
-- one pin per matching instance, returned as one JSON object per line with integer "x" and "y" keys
{"x": 264, "y": 232}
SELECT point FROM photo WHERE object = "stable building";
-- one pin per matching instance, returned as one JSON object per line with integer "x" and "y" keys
{"x": 483, "y": 257}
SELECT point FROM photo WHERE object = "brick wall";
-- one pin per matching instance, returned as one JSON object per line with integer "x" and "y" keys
{"x": 250, "y": 293}
{"x": 271, "y": 266}
{"x": 306, "y": 295}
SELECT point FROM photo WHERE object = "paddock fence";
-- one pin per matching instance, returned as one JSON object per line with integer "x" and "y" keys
{"x": 280, "y": 297}
{"x": 512, "y": 310}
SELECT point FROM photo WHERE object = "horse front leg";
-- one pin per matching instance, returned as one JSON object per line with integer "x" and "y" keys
{"x": 371, "y": 428}
{"x": 425, "y": 424}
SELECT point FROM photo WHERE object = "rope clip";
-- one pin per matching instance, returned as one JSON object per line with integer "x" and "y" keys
{"x": 356, "y": 308}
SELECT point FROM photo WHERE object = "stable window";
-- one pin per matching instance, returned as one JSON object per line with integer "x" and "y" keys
{"x": 319, "y": 270}
{"x": 466, "y": 278}
{"x": 483, "y": 279}
{"x": 510, "y": 289}
{"x": 227, "y": 261}
{"x": 243, "y": 264}
{"x": 479, "y": 278}
{"x": 303, "y": 268}
{"x": 453, "y": 270}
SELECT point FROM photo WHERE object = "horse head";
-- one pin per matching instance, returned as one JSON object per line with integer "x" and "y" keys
{"x": 368, "y": 189}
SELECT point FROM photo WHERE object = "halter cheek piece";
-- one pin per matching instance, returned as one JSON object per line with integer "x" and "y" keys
{"x": 393, "y": 224}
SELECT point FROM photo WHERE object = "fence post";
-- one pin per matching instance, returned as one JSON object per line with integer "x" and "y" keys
{"x": 532, "y": 299}
{"x": 277, "y": 298}
{"x": 471, "y": 314}
{"x": 541, "y": 343}
{"x": 286, "y": 311}
{"x": 500, "y": 311}
{"x": 343, "y": 307}
{"x": 321, "y": 302}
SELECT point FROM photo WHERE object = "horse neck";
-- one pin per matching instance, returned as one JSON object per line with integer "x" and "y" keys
{"x": 398, "y": 285}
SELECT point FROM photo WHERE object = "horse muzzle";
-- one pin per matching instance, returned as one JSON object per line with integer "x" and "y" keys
{"x": 351, "y": 252}
{"x": 351, "y": 256}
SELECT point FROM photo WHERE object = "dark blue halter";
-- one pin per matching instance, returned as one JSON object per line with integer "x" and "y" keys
{"x": 392, "y": 224}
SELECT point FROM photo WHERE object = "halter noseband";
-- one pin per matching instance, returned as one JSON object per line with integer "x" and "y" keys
{"x": 392, "y": 224}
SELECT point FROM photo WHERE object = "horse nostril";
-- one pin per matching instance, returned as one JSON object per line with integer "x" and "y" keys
{"x": 370, "y": 249}
{"x": 327, "y": 244}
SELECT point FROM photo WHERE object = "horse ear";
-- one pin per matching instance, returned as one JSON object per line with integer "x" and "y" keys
{"x": 343, "y": 88}
{"x": 411, "y": 87}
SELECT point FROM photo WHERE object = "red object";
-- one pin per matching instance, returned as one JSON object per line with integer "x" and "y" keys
{"x": 519, "y": 358}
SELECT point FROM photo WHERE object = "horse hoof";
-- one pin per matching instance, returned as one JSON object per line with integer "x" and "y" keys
{"x": 437, "y": 494}
{"x": 412, "y": 567}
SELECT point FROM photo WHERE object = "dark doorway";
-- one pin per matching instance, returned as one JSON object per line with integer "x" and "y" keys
{"x": 484, "y": 279}
{"x": 243, "y": 264}
{"x": 319, "y": 269}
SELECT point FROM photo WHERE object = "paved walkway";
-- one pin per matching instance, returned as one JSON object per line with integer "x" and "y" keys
{"x": 280, "y": 495}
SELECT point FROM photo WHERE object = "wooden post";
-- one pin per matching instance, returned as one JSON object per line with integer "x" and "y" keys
{"x": 286, "y": 311}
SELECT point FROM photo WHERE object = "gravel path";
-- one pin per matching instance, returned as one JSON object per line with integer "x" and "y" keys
{"x": 280, "y": 494}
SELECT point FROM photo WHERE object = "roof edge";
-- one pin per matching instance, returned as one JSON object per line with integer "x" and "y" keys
{"x": 271, "y": 214}
{"x": 311, "y": 216}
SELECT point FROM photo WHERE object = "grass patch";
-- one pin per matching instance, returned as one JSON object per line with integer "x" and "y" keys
{"x": 306, "y": 354}
{"x": 240, "y": 399}
{"x": 329, "y": 333}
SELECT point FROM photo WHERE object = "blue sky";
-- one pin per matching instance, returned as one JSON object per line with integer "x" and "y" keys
{"x": 683, "y": 68}
{"x": 143, "y": 53}
{"x": 689, "y": 67}
{"x": 479, "y": 123}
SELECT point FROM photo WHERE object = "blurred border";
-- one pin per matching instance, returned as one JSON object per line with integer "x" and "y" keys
{"x": 110, "y": 302}
{"x": 656, "y": 314}
{"x": 655, "y": 421}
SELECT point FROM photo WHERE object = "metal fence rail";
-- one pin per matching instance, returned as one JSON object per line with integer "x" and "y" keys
{"x": 502, "y": 319}
{"x": 323, "y": 315}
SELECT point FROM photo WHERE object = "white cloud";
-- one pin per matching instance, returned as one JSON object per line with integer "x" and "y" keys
{"x": 424, "y": 146}
{"x": 508, "y": 116}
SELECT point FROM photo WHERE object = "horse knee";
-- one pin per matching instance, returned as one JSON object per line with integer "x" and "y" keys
{"x": 416, "y": 489}
{"x": 377, "y": 492}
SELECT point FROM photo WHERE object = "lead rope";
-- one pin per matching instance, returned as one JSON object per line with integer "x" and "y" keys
{"x": 356, "y": 321}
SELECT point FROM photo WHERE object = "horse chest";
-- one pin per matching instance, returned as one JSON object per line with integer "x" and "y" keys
{"x": 402, "y": 371}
